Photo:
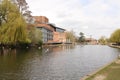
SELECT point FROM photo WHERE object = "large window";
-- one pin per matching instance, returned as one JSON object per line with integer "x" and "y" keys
{"x": 46, "y": 34}
{"x": 59, "y": 30}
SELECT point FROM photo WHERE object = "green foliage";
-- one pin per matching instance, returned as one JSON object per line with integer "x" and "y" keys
{"x": 81, "y": 34}
{"x": 13, "y": 26}
{"x": 102, "y": 40}
{"x": 40, "y": 43}
{"x": 35, "y": 35}
{"x": 82, "y": 37}
{"x": 115, "y": 36}
{"x": 70, "y": 36}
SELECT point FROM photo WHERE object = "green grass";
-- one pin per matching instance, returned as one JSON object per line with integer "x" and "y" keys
{"x": 111, "y": 72}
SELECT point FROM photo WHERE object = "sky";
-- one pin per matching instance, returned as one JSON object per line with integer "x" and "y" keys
{"x": 94, "y": 18}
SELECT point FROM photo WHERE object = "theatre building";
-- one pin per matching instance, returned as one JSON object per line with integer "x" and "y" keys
{"x": 50, "y": 33}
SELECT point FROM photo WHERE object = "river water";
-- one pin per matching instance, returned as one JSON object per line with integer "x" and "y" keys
{"x": 55, "y": 63}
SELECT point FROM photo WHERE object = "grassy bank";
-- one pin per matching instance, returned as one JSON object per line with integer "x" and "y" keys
{"x": 110, "y": 72}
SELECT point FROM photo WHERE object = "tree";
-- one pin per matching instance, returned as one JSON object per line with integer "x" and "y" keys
{"x": 13, "y": 26}
{"x": 23, "y": 8}
{"x": 82, "y": 37}
{"x": 115, "y": 36}
{"x": 103, "y": 40}
{"x": 35, "y": 35}
{"x": 70, "y": 36}
{"x": 22, "y": 4}
{"x": 3, "y": 11}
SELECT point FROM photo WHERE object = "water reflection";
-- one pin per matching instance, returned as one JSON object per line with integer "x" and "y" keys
{"x": 66, "y": 62}
{"x": 58, "y": 48}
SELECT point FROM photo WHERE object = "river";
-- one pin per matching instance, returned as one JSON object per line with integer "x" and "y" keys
{"x": 55, "y": 63}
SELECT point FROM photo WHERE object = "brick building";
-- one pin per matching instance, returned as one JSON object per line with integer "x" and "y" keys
{"x": 41, "y": 19}
{"x": 91, "y": 41}
{"x": 50, "y": 33}
{"x": 59, "y": 35}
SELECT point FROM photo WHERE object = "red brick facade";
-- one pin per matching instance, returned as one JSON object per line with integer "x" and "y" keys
{"x": 59, "y": 37}
{"x": 91, "y": 41}
{"x": 41, "y": 19}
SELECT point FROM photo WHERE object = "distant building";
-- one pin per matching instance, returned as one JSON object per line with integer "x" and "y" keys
{"x": 50, "y": 33}
{"x": 91, "y": 41}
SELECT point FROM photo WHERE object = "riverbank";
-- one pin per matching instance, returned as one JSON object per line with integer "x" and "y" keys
{"x": 29, "y": 45}
{"x": 110, "y": 71}
{"x": 115, "y": 46}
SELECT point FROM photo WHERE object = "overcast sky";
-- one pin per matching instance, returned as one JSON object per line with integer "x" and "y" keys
{"x": 92, "y": 17}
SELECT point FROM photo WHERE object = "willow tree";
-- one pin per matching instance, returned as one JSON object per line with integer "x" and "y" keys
{"x": 115, "y": 36}
{"x": 13, "y": 26}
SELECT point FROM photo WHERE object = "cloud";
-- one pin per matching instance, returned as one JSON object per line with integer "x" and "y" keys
{"x": 93, "y": 17}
